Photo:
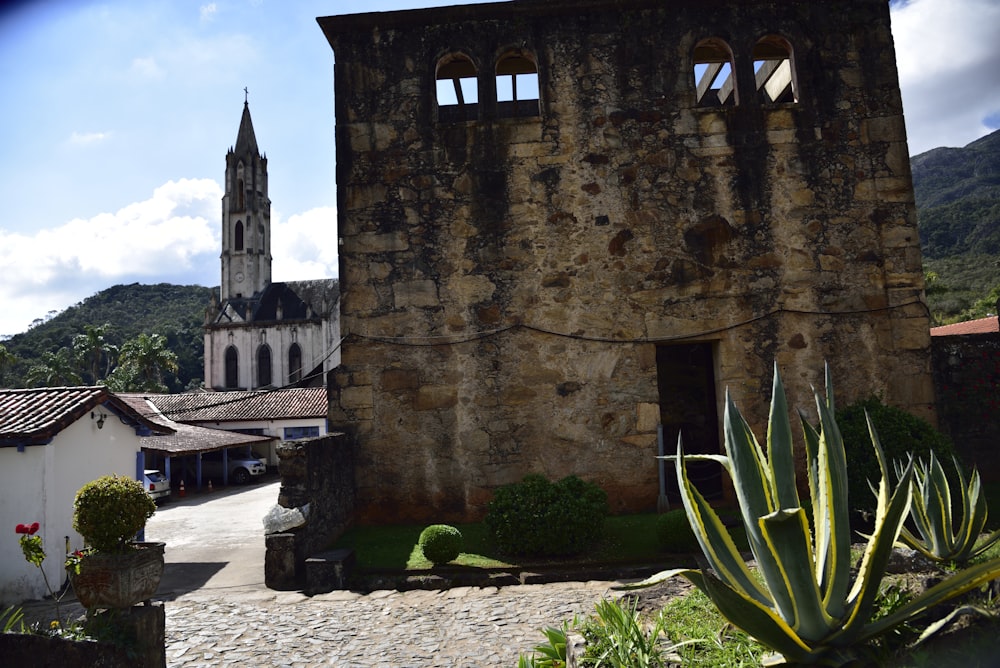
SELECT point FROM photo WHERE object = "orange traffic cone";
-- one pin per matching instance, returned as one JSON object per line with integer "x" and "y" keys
{"x": 180, "y": 492}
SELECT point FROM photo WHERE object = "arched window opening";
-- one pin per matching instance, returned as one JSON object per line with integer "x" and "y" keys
{"x": 232, "y": 368}
{"x": 457, "y": 88}
{"x": 241, "y": 196}
{"x": 264, "y": 366}
{"x": 294, "y": 364}
{"x": 238, "y": 234}
{"x": 713, "y": 74}
{"x": 517, "y": 86}
{"x": 774, "y": 71}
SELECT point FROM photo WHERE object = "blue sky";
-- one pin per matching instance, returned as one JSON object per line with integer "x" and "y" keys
{"x": 117, "y": 117}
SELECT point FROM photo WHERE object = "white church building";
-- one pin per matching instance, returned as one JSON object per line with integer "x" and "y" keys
{"x": 261, "y": 334}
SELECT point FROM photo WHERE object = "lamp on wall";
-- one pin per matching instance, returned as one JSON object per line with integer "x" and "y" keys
{"x": 100, "y": 417}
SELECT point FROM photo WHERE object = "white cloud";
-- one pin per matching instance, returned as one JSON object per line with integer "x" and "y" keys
{"x": 949, "y": 69}
{"x": 170, "y": 237}
{"x": 207, "y": 12}
{"x": 305, "y": 246}
{"x": 87, "y": 138}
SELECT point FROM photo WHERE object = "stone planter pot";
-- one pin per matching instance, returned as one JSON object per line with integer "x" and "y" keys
{"x": 119, "y": 580}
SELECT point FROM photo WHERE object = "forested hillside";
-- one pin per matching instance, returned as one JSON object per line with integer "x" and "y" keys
{"x": 957, "y": 192}
{"x": 176, "y": 312}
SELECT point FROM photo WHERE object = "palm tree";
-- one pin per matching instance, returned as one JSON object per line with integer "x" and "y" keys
{"x": 53, "y": 370}
{"x": 141, "y": 364}
{"x": 90, "y": 347}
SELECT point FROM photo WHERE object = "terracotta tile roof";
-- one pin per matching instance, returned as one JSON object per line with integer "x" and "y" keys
{"x": 243, "y": 405}
{"x": 981, "y": 326}
{"x": 190, "y": 439}
{"x": 34, "y": 416}
{"x": 187, "y": 439}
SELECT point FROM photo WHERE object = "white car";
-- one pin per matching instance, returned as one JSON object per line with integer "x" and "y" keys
{"x": 156, "y": 484}
{"x": 242, "y": 468}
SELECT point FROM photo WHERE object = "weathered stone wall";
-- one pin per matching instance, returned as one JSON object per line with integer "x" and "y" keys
{"x": 967, "y": 379}
{"x": 506, "y": 281}
{"x": 318, "y": 472}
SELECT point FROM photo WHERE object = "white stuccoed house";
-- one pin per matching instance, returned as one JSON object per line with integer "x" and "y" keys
{"x": 52, "y": 442}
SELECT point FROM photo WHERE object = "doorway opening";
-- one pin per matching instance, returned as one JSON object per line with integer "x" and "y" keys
{"x": 686, "y": 379}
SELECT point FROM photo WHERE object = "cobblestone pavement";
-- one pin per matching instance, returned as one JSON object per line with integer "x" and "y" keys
{"x": 454, "y": 628}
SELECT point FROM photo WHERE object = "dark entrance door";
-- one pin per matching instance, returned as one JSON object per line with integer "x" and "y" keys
{"x": 686, "y": 378}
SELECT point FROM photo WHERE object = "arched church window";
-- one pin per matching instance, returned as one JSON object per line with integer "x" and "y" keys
{"x": 457, "y": 88}
{"x": 774, "y": 70}
{"x": 238, "y": 242}
{"x": 263, "y": 365}
{"x": 517, "y": 85}
{"x": 232, "y": 368}
{"x": 241, "y": 196}
{"x": 294, "y": 364}
{"x": 713, "y": 74}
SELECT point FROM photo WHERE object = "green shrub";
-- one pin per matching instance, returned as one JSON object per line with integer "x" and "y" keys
{"x": 673, "y": 532}
{"x": 110, "y": 511}
{"x": 899, "y": 433}
{"x": 440, "y": 543}
{"x": 538, "y": 518}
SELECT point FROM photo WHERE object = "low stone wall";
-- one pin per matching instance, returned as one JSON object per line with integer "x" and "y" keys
{"x": 966, "y": 380}
{"x": 318, "y": 472}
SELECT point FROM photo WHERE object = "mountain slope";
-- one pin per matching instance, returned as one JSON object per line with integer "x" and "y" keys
{"x": 175, "y": 311}
{"x": 957, "y": 192}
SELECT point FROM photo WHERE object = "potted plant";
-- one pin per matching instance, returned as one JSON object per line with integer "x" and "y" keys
{"x": 114, "y": 571}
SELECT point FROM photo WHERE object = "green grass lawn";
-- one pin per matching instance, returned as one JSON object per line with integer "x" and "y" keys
{"x": 627, "y": 539}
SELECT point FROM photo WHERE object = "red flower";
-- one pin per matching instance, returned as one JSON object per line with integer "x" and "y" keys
{"x": 27, "y": 529}
{"x": 21, "y": 529}
{"x": 33, "y": 528}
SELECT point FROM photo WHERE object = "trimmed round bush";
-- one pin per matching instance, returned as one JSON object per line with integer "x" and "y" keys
{"x": 900, "y": 434}
{"x": 674, "y": 534}
{"x": 440, "y": 543}
{"x": 110, "y": 511}
{"x": 540, "y": 518}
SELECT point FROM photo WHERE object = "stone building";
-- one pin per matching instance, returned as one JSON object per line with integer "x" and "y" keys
{"x": 564, "y": 224}
{"x": 263, "y": 334}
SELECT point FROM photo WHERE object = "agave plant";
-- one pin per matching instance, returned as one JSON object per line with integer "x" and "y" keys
{"x": 806, "y": 605}
{"x": 931, "y": 511}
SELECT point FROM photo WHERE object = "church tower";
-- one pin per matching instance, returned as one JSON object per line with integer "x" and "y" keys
{"x": 246, "y": 218}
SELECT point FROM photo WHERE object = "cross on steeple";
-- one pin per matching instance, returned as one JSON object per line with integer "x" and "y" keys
{"x": 246, "y": 95}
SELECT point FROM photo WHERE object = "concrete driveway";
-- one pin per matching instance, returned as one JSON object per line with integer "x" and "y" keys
{"x": 215, "y": 540}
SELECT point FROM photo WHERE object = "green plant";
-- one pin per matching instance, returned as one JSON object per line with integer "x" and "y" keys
{"x": 939, "y": 539}
{"x": 552, "y": 653}
{"x": 440, "y": 543}
{"x": 900, "y": 434}
{"x": 12, "y": 621}
{"x": 110, "y": 511}
{"x": 536, "y": 517}
{"x": 616, "y": 638}
{"x": 673, "y": 532}
{"x": 805, "y": 607}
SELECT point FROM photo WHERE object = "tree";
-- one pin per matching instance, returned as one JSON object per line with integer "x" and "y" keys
{"x": 54, "y": 369}
{"x": 7, "y": 360}
{"x": 91, "y": 347}
{"x": 142, "y": 362}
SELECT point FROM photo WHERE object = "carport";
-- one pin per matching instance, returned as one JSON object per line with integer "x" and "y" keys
{"x": 181, "y": 452}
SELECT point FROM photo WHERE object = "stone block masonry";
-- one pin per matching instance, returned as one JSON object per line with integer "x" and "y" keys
{"x": 630, "y": 208}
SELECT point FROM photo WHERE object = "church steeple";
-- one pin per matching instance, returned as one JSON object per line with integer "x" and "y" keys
{"x": 246, "y": 217}
{"x": 246, "y": 142}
